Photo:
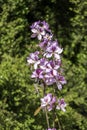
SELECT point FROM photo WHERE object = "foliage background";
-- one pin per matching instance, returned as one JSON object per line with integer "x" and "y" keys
{"x": 18, "y": 99}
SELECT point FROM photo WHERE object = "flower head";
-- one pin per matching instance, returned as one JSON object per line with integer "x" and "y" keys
{"x": 44, "y": 44}
{"x": 33, "y": 57}
{"x": 53, "y": 50}
{"x": 61, "y": 105}
{"x": 37, "y": 30}
{"x": 35, "y": 25}
{"x": 60, "y": 80}
{"x": 38, "y": 73}
{"x": 48, "y": 101}
{"x": 45, "y": 25}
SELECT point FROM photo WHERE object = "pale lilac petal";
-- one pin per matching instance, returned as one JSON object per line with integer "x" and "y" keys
{"x": 57, "y": 56}
{"x": 41, "y": 76}
{"x": 59, "y": 86}
{"x": 48, "y": 55}
{"x": 42, "y": 67}
{"x": 61, "y": 105}
{"x": 45, "y": 25}
{"x": 63, "y": 109}
{"x": 37, "y": 52}
{"x": 30, "y": 61}
{"x": 50, "y": 107}
{"x": 57, "y": 67}
{"x": 54, "y": 72}
{"x": 49, "y": 81}
{"x": 49, "y": 65}
{"x": 53, "y": 100}
{"x": 49, "y": 49}
{"x": 39, "y": 37}
{"x": 33, "y": 35}
{"x": 34, "y": 30}
{"x": 34, "y": 75}
{"x": 43, "y": 33}
{"x": 63, "y": 82}
{"x": 47, "y": 71}
{"x": 57, "y": 107}
{"x": 32, "y": 55}
{"x": 59, "y": 50}
{"x": 36, "y": 64}
{"x": 55, "y": 43}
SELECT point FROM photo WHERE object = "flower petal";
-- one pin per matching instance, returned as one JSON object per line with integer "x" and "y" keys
{"x": 39, "y": 37}
{"x": 34, "y": 30}
{"x": 48, "y": 55}
{"x": 57, "y": 56}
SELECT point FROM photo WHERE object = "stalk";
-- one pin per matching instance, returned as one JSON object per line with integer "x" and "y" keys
{"x": 46, "y": 113}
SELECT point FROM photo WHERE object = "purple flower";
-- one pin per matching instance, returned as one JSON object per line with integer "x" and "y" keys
{"x": 48, "y": 101}
{"x": 48, "y": 79}
{"x": 50, "y": 70}
{"x": 35, "y": 25}
{"x": 61, "y": 105}
{"x": 44, "y": 44}
{"x": 38, "y": 73}
{"x": 33, "y": 57}
{"x": 60, "y": 80}
{"x": 43, "y": 63}
{"x": 52, "y": 67}
{"x": 45, "y": 25}
{"x": 59, "y": 86}
{"x": 37, "y": 30}
{"x": 53, "y": 50}
{"x": 52, "y": 104}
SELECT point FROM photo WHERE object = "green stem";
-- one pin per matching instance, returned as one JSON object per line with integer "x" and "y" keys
{"x": 54, "y": 117}
{"x": 47, "y": 118}
{"x": 60, "y": 128}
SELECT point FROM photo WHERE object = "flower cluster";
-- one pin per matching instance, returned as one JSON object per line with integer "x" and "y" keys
{"x": 50, "y": 102}
{"x": 46, "y": 65}
{"x": 41, "y": 30}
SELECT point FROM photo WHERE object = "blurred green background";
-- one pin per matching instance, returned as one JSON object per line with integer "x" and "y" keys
{"x": 18, "y": 100}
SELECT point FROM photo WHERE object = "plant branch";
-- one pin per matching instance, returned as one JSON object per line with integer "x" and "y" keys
{"x": 58, "y": 121}
{"x": 47, "y": 118}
